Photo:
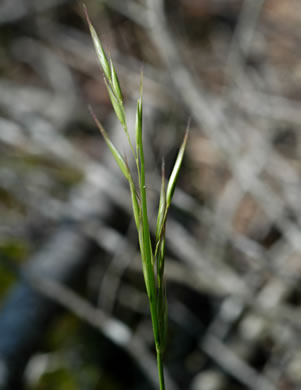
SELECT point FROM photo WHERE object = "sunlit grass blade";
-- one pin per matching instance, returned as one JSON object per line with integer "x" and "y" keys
{"x": 176, "y": 169}
{"x": 147, "y": 242}
{"x": 138, "y": 125}
{"x": 160, "y": 232}
{"x": 162, "y": 205}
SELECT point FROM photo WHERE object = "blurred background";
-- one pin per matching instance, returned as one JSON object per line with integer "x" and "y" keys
{"x": 73, "y": 312}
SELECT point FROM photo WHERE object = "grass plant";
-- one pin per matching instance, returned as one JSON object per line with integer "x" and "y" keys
{"x": 152, "y": 256}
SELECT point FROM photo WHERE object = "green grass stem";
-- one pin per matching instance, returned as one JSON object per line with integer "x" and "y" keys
{"x": 152, "y": 261}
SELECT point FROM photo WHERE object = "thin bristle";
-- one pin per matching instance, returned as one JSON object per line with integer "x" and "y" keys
{"x": 163, "y": 168}
{"x": 86, "y": 14}
{"x": 187, "y": 130}
{"x": 141, "y": 83}
{"x": 99, "y": 125}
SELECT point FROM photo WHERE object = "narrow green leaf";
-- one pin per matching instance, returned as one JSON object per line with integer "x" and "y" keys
{"x": 98, "y": 48}
{"x": 120, "y": 161}
{"x": 139, "y": 116}
{"x": 162, "y": 205}
{"x": 138, "y": 125}
{"x": 146, "y": 233}
{"x": 148, "y": 272}
{"x": 135, "y": 204}
{"x": 175, "y": 172}
{"x": 115, "y": 82}
{"x": 142, "y": 253}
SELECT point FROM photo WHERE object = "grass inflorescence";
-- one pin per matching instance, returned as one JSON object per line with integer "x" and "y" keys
{"x": 152, "y": 257}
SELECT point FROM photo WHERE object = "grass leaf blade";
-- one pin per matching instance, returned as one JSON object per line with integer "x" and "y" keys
{"x": 162, "y": 206}
{"x": 176, "y": 169}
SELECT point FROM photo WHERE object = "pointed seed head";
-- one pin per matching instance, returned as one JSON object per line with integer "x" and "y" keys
{"x": 117, "y": 105}
{"x": 98, "y": 48}
{"x": 115, "y": 82}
